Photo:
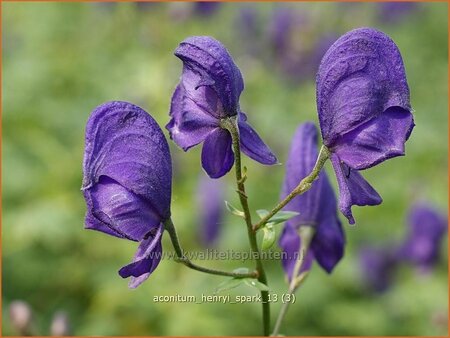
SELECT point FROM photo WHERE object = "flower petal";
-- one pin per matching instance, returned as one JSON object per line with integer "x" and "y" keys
{"x": 145, "y": 261}
{"x": 217, "y": 153}
{"x": 353, "y": 189}
{"x": 290, "y": 243}
{"x": 126, "y": 144}
{"x": 380, "y": 139}
{"x": 328, "y": 243}
{"x": 122, "y": 211}
{"x": 189, "y": 124}
{"x": 253, "y": 146}
{"x": 361, "y": 75}
{"x": 207, "y": 57}
{"x": 318, "y": 202}
{"x": 93, "y": 223}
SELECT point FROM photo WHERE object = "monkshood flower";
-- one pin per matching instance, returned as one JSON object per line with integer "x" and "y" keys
{"x": 378, "y": 266}
{"x": 364, "y": 110}
{"x": 317, "y": 208}
{"x": 208, "y": 92}
{"x": 127, "y": 181}
{"x": 211, "y": 209}
{"x": 394, "y": 12}
{"x": 426, "y": 231}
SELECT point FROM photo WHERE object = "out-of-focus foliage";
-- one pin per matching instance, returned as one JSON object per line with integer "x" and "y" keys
{"x": 60, "y": 60}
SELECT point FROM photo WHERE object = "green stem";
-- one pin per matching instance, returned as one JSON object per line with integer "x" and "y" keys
{"x": 230, "y": 124}
{"x": 303, "y": 186}
{"x": 297, "y": 279}
{"x": 169, "y": 226}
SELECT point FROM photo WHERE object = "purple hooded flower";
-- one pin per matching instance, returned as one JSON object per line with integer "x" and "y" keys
{"x": 209, "y": 91}
{"x": 211, "y": 207}
{"x": 127, "y": 181}
{"x": 423, "y": 241}
{"x": 364, "y": 111}
{"x": 394, "y": 12}
{"x": 317, "y": 208}
{"x": 378, "y": 267}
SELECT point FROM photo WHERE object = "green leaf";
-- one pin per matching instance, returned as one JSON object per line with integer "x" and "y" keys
{"x": 262, "y": 213}
{"x": 268, "y": 236}
{"x": 279, "y": 217}
{"x": 256, "y": 284}
{"x": 234, "y": 210}
{"x": 229, "y": 284}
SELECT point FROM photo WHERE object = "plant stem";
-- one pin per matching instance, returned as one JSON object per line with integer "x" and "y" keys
{"x": 296, "y": 279}
{"x": 169, "y": 226}
{"x": 231, "y": 125}
{"x": 302, "y": 187}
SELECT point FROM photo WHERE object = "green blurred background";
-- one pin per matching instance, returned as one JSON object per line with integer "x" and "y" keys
{"x": 61, "y": 60}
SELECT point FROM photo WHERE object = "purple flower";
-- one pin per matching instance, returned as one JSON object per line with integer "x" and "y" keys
{"x": 317, "y": 208}
{"x": 209, "y": 91}
{"x": 211, "y": 207}
{"x": 377, "y": 267}
{"x": 127, "y": 181}
{"x": 393, "y": 12}
{"x": 206, "y": 8}
{"x": 426, "y": 231}
{"x": 364, "y": 111}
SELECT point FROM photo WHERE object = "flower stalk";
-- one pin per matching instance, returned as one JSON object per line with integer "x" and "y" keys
{"x": 181, "y": 258}
{"x": 230, "y": 124}
{"x": 297, "y": 278}
{"x": 304, "y": 185}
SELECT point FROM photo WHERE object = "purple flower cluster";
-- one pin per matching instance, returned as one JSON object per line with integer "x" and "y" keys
{"x": 365, "y": 118}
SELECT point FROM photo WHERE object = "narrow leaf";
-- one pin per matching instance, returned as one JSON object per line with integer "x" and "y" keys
{"x": 234, "y": 210}
{"x": 268, "y": 236}
{"x": 256, "y": 284}
{"x": 229, "y": 284}
{"x": 279, "y": 217}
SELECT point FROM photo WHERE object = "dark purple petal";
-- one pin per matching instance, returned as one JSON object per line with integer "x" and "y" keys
{"x": 328, "y": 243}
{"x": 146, "y": 259}
{"x": 190, "y": 124}
{"x": 377, "y": 140}
{"x": 353, "y": 189}
{"x": 316, "y": 207}
{"x": 360, "y": 77}
{"x": 427, "y": 228}
{"x": 208, "y": 63}
{"x": 93, "y": 223}
{"x": 290, "y": 243}
{"x": 122, "y": 211}
{"x": 217, "y": 153}
{"x": 318, "y": 202}
{"x": 211, "y": 207}
{"x": 253, "y": 146}
{"x": 124, "y": 143}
